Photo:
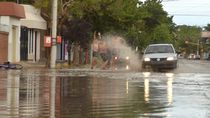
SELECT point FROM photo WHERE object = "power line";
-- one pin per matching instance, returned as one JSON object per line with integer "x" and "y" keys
{"x": 190, "y": 15}
{"x": 169, "y": 0}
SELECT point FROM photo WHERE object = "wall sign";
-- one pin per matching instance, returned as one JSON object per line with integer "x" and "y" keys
{"x": 47, "y": 41}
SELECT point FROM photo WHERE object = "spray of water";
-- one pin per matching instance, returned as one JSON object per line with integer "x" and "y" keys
{"x": 118, "y": 42}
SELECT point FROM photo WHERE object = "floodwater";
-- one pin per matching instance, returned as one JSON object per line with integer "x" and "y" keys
{"x": 103, "y": 94}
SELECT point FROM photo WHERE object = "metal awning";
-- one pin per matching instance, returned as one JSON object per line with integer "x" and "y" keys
{"x": 33, "y": 18}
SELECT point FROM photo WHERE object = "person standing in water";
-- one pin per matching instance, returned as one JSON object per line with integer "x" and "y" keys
{"x": 105, "y": 54}
{"x": 95, "y": 53}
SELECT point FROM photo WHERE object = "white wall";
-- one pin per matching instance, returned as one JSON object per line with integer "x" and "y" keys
{"x": 13, "y": 47}
{"x": 33, "y": 44}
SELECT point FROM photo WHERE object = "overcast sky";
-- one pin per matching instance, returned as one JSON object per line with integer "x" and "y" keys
{"x": 189, "y": 12}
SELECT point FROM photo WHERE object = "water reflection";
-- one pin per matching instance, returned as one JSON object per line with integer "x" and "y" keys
{"x": 146, "y": 90}
{"x": 170, "y": 90}
{"x": 51, "y": 96}
{"x": 169, "y": 87}
{"x": 127, "y": 86}
{"x": 13, "y": 84}
{"x": 21, "y": 96}
{"x": 30, "y": 100}
{"x": 35, "y": 96}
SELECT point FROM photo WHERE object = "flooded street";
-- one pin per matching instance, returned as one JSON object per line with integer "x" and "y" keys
{"x": 85, "y": 93}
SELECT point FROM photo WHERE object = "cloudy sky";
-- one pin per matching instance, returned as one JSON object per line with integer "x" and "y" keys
{"x": 188, "y": 12}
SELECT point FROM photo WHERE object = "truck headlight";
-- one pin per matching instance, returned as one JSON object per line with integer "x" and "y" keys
{"x": 146, "y": 59}
{"x": 127, "y": 58}
{"x": 170, "y": 58}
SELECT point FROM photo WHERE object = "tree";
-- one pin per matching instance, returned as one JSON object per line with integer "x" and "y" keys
{"x": 188, "y": 37}
{"x": 122, "y": 17}
{"x": 78, "y": 31}
{"x": 63, "y": 11}
{"x": 159, "y": 27}
{"x": 207, "y": 27}
{"x": 115, "y": 16}
{"x": 63, "y": 15}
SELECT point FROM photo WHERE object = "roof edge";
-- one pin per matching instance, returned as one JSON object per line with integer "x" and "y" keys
{"x": 11, "y": 9}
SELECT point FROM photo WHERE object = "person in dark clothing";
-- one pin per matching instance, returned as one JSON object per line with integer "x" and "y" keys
{"x": 95, "y": 52}
{"x": 105, "y": 54}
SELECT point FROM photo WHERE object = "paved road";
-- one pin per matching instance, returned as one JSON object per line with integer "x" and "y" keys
{"x": 193, "y": 66}
{"x": 188, "y": 66}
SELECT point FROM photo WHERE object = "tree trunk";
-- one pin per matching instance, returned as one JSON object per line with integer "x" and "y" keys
{"x": 86, "y": 56}
{"x": 76, "y": 54}
{"x": 69, "y": 54}
{"x": 80, "y": 56}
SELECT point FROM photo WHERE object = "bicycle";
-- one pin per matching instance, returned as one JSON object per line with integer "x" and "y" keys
{"x": 8, "y": 65}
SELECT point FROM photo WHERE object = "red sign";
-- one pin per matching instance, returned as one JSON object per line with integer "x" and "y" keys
{"x": 47, "y": 41}
{"x": 59, "y": 39}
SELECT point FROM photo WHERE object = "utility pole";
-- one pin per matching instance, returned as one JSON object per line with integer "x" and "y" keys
{"x": 53, "y": 57}
{"x": 54, "y": 33}
{"x": 198, "y": 46}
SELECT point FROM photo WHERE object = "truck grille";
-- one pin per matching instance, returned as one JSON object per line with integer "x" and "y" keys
{"x": 158, "y": 59}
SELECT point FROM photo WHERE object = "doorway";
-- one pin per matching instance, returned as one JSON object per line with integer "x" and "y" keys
{"x": 24, "y": 44}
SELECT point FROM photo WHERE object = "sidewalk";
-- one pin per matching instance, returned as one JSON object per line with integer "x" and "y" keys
{"x": 31, "y": 64}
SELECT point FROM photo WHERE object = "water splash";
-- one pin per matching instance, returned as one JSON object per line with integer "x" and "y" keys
{"x": 118, "y": 42}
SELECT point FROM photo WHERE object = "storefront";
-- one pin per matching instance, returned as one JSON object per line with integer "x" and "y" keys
{"x": 32, "y": 34}
{"x": 10, "y": 15}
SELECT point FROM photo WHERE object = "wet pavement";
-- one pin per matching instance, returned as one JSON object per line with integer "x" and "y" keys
{"x": 85, "y": 93}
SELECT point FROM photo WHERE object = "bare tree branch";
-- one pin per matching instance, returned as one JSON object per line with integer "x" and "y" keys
{"x": 66, "y": 4}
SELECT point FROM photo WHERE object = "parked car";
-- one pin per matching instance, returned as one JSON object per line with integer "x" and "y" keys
{"x": 191, "y": 56}
{"x": 197, "y": 57}
{"x": 181, "y": 56}
{"x": 160, "y": 56}
{"x": 194, "y": 56}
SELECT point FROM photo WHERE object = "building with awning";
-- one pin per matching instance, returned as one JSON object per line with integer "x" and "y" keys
{"x": 10, "y": 15}
{"x": 33, "y": 18}
{"x": 32, "y": 33}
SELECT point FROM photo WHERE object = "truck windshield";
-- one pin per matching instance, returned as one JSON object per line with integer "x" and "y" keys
{"x": 159, "y": 49}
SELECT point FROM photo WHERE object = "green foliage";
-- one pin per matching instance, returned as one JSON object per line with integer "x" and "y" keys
{"x": 42, "y": 3}
{"x": 157, "y": 27}
{"x": 125, "y": 18}
{"x": 161, "y": 34}
{"x": 207, "y": 28}
{"x": 139, "y": 23}
{"x": 191, "y": 34}
{"x": 155, "y": 13}
{"x": 77, "y": 31}
{"x": 46, "y": 9}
